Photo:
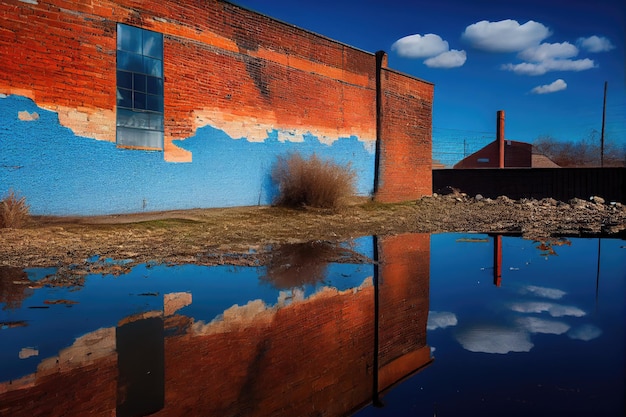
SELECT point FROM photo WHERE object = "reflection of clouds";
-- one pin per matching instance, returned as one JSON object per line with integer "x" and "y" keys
{"x": 585, "y": 332}
{"x": 440, "y": 320}
{"x": 494, "y": 340}
{"x": 544, "y": 292}
{"x": 537, "y": 325}
{"x": 555, "y": 310}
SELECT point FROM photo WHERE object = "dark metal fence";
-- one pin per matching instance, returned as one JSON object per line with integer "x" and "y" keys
{"x": 559, "y": 183}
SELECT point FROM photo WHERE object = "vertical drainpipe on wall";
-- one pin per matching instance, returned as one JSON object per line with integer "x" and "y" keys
{"x": 500, "y": 137}
{"x": 381, "y": 58}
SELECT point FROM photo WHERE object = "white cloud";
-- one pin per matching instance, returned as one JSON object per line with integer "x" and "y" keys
{"x": 440, "y": 320}
{"x": 555, "y": 310}
{"x": 595, "y": 44}
{"x": 432, "y": 47}
{"x": 540, "y": 68}
{"x": 418, "y": 46}
{"x": 558, "y": 85}
{"x": 551, "y": 293}
{"x": 537, "y": 325}
{"x": 547, "y": 51}
{"x": 505, "y": 35}
{"x": 585, "y": 332}
{"x": 494, "y": 340}
{"x": 449, "y": 59}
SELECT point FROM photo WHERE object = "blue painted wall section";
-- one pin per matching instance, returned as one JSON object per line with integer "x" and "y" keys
{"x": 60, "y": 173}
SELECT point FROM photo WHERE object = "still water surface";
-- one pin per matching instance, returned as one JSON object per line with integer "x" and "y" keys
{"x": 419, "y": 325}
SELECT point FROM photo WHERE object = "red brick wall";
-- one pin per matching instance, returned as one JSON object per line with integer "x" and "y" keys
{"x": 221, "y": 63}
{"x": 224, "y": 66}
{"x": 406, "y": 142}
{"x": 516, "y": 155}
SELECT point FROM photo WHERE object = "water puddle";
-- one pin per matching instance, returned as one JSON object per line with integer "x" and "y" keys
{"x": 416, "y": 324}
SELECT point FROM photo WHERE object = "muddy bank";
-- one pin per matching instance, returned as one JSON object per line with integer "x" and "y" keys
{"x": 243, "y": 235}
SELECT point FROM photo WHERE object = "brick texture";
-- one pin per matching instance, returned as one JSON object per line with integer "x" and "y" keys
{"x": 405, "y": 144}
{"x": 224, "y": 66}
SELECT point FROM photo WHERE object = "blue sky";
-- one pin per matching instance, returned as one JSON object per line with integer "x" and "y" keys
{"x": 542, "y": 61}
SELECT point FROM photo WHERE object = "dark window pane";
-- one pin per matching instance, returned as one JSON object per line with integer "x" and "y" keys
{"x": 124, "y": 98}
{"x": 155, "y": 103}
{"x": 153, "y": 67}
{"x": 129, "y": 61}
{"x": 139, "y": 83}
{"x": 153, "y": 44}
{"x": 155, "y": 85}
{"x": 139, "y": 100}
{"x": 129, "y": 38}
{"x": 125, "y": 79}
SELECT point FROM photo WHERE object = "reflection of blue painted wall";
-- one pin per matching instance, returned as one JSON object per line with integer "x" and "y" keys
{"x": 60, "y": 173}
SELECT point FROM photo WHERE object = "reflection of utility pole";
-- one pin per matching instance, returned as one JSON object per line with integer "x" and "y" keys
{"x": 598, "y": 273}
{"x": 603, "y": 120}
{"x": 497, "y": 260}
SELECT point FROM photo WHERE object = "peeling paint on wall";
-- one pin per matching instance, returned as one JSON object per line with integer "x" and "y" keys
{"x": 64, "y": 174}
{"x": 25, "y": 116}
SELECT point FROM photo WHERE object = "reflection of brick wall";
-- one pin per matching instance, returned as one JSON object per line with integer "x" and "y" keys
{"x": 309, "y": 357}
{"x": 316, "y": 354}
{"x": 404, "y": 276}
{"x": 406, "y": 145}
{"x": 313, "y": 355}
{"x": 88, "y": 390}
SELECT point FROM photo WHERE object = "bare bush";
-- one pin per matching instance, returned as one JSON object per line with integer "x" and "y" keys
{"x": 312, "y": 182}
{"x": 14, "y": 212}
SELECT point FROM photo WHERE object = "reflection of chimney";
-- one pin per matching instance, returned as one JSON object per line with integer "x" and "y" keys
{"x": 500, "y": 137}
{"x": 497, "y": 260}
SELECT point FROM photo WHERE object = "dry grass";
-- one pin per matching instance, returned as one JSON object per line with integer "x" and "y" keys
{"x": 312, "y": 182}
{"x": 14, "y": 212}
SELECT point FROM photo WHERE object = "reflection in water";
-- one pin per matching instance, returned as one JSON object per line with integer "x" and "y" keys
{"x": 299, "y": 264}
{"x": 327, "y": 353}
{"x": 585, "y": 332}
{"x": 494, "y": 339}
{"x": 14, "y": 287}
{"x": 547, "y": 339}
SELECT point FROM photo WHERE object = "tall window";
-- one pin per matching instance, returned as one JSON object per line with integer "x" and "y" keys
{"x": 139, "y": 88}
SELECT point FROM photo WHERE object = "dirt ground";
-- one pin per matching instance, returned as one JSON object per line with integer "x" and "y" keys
{"x": 244, "y": 235}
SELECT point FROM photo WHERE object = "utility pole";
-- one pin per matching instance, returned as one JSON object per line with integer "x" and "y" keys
{"x": 603, "y": 120}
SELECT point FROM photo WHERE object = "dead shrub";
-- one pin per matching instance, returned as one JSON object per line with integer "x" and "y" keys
{"x": 312, "y": 182}
{"x": 14, "y": 212}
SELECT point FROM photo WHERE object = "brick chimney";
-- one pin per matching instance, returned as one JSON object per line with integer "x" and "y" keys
{"x": 500, "y": 137}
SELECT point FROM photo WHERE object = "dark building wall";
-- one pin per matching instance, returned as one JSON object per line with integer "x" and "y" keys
{"x": 559, "y": 183}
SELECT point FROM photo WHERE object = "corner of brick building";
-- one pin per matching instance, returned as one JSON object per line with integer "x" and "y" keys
{"x": 405, "y": 138}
